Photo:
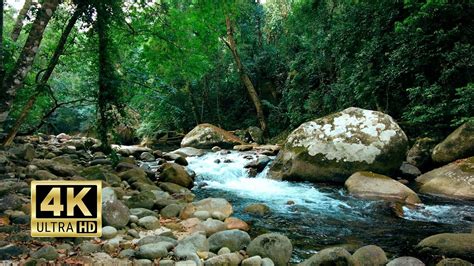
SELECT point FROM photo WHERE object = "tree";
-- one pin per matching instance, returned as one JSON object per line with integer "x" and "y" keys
{"x": 19, "y": 20}
{"x": 15, "y": 78}
{"x": 230, "y": 42}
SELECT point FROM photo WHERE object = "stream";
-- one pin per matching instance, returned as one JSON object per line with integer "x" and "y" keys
{"x": 323, "y": 215}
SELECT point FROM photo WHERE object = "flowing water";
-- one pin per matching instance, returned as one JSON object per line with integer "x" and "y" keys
{"x": 323, "y": 215}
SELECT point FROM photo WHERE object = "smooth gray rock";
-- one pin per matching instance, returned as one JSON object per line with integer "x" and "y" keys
{"x": 235, "y": 240}
{"x": 152, "y": 251}
{"x": 108, "y": 232}
{"x": 46, "y": 252}
{"x": 149, "y": 222}
{"x": 275, "y": 246}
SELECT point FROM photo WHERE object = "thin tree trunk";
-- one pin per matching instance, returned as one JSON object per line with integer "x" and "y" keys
{"x": 15, "y": 79}
{"x": 193, "y": 103}
{"x": 244, "y": 77}
{"x": 2, "y": 61}
{"x": 19, "y": 20}
{"x": 46, "y": 75}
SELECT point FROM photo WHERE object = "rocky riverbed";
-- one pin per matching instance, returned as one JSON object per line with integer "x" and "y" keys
{"x": 151, "y": 214}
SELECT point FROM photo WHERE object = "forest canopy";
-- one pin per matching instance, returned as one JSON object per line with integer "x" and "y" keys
{"x": 144, "y": 67}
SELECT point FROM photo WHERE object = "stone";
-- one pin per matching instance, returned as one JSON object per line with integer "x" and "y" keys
{"x": 56, "y": 167}
{"x": 244, "y": 147}
{"x": 455, "y": 180}
{"x": 257, "y": 209}
{"x": 23, "y": 151}
{"x": 175, "y": 173}
{"x": 234, "y": 240}
{"x": 173, "y": 188}
{"x": 188, "y": 246}
{"x": 143, "y": 262}
{"x": 369, "y": 185}
{"x": 259, "y": 164}
{"x": 206, "y": 136}
{"x": 87, "y": 248}
{"x": 100, "y": 172}
{"x": 10, "y": 251}
{"x": 256, "y": 135}
{"x": 135, "y": 177}
{"x": 44, "y": 175}
{"x": 211, "y": 226}
{"x": 109, "y": 232}
{"x": 46, "y": 252}
{"x": 419, "y": 154}
{"x": 267, "y": 262}
{"x": 453, "y": 262}
{"x": 115, "y": 213}
{"x": 448, "y": 245}
{"x": 369, "y": 255}
{"x": 185, "y": 263}
{"x": 405, "y": 261}
{"x": 188, "y": 152}
{"x": 181, "y": 161}
{"x": 202, "y": 215}
{"x": 331, "y": 148}
{"x": 142, "y": 212}
{"x": 145, "y": 199}
{"x": 158, "y": 239}
{"x": 147, "y": 157}
{"x": 409, "y": 170}
{"x": 108, "y": 194}
{"x": 236, "y": 223}
{"x": 329, "y": 256}
{"x": 252, "y": 261}
{"x": 167, "y": 263}
{"x": 275, "y": 246}
{"x": 171, "y": 211}
{"x": 223, "y": 251}
{"x": 152, "y": 251}
{"x": 210, "y": 205}
{"x": 458, "y": 145}
{"x": 230, "y": 259}
{"x": 149, "y": 222}
{"x": 126, "y": 253}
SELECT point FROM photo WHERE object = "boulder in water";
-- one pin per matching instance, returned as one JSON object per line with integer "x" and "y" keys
{"x": 257, "y": 209}
{"x": 374, "y": 186}
{"x": 175, "y": 173}
{"x": 206, "y": 136}
{"x": 331, "y": 148}
{"x": 448, "y": 245}
{"x": 458, "y": 145}
{"x": 455, "y": 180}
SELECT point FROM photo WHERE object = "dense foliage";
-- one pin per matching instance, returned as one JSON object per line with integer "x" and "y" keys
{"x": 172, "y": 70}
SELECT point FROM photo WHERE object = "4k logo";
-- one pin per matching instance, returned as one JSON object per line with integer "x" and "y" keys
{"x": 66, "y": 208}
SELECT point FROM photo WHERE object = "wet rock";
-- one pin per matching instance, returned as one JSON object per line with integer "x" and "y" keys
{"x": 216, "y": 149}
{"x": 231, "y": 259}
{"x": 147, "y": 157}
{"x": 149, "y": 222}
{"x": 458, "y": 145}
{"x": 406, "y": 261}
{"x": 454, "y": 180}
{"x": 244, "y": 147}
{"x": 188, "y": 152}
{"x": 115, "y": 213}
{"x": 259, "y": 164}
{"x": 331, "y": 148}
{"x": 152, "y": 251}
{"x": 46, "y": 252}
{"x": 448, "y": 245}
{"x": 176, "y": 174}
{"x": 236, "y": 223}
{"x": 206, "y": 136}
{"x": 210, "y": 205}
{"x": 330, "y": 256}
{"x": 275, "y": 246}
{"x": 257, "y": 209}
{"x": 371, "y": 255}
{"x": 453, "y": 262}
{"x": 234, "y": 240}
{"x": 108, "y": 232}
{"x": 374, "y": 186}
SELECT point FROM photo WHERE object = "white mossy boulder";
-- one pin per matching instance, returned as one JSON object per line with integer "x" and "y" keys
{"x": 458, "y": 145}
{"x": 374, "y": 186}
{"x": 206, "y": 136}
{"x": 331, "y": 148}
{"x": 455, "y": 180}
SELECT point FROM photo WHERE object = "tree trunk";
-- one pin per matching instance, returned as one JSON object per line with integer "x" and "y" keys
{"x": 2, "y": 61}
{"x": 244, "y": 77}
{"x": 46, "y": 75}
{"x": 15, "y": 79}
{"x": 192, "y": 100}
{"x": 19, "y": 20}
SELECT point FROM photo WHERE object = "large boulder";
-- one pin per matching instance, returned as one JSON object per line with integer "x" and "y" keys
{"x": 455, "y": 180}
{"x": 206, "y": 136}
{"x": 115, "y": 213}
{"x": 175, "y": 173}
{"x": 419, "y": 154}
{"x": 374, "y": 186}
{"x": 448, "y": 245}
{"x": 274, "y": 246}
{"x": 331, "y": 148}
{"x": 235, "y": 240}
{"x": 458, "y": 145}
{"x": 369, "y": 255}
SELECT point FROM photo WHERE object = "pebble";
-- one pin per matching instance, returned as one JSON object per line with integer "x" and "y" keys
{"x": 223, "y": 251}
{"x": 149, "y": 222}
{"x": 109, "y": 232}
